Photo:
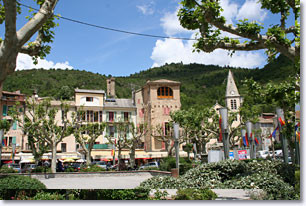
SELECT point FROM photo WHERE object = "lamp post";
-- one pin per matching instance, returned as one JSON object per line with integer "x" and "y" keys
{"x": 251, "y": 139}
{"x": 176, "y": 138}
{"x": 280, "y": 118}
{"x": 258, "y": 135}
{"x": 223, "y": 114}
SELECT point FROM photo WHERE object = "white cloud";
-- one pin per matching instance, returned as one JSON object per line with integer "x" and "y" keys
{"x": 171, "y": 24}
{"x": 147, "y": 9}
{"x": 24, "y": 61}
{"x": 230, "y": 10}
{"x": 168, "y": 51}
{"x": 251, "y": 10}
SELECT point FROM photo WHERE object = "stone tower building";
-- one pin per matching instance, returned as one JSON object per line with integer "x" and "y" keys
{"x": 110, "y": 88}
{"x": 232, "y": 96}
{"x": 154, "y": 102}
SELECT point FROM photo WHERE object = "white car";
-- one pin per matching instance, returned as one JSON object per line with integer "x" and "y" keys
{"x": 150, "y": 164}
{"x": 263, "y": 154}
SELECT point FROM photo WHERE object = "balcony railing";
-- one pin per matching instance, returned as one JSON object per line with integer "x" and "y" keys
{"x": 100, "y": 146}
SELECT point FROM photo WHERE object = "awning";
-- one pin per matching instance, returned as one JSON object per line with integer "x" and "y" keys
{"x": 27, "y": 161}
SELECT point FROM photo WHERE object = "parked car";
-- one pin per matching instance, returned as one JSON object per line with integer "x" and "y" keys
{"x": 76, "y": 166}
{"x": 28, "y": 168}
{"x": 150, "y": 164}
{"x": 15, "y": 167}
{"x": 263, "y": 154}
{"x": 278, "y": 153}
{"x": 101, "y": 164}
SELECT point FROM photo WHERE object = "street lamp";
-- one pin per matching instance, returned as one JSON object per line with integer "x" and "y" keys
{"x": 257, "y": 132}
{"x": 280, "y": 120}
{"x": 176, "y": 138}
{"x": 224, "y": 126}
{"x": 251, "y": 138}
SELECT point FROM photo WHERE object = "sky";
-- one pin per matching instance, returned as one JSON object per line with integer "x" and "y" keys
{"x": 111, "y": 53}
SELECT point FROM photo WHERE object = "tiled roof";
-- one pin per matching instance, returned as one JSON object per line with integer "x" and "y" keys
{"x": 89, "y": 91}
{"x": 120, "y": 103}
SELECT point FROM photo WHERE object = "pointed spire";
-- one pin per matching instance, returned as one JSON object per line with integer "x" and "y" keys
{"x": 231, "y": 88}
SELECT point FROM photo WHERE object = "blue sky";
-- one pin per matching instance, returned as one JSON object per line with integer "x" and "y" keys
{"x": 100, "y": 51}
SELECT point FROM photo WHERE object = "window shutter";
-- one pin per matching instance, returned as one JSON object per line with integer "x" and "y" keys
{"x": 122, "y": 116}
{"x": 130, "y": 117}
{"x": 4, "y": 110}
{"x": 115, "y": 115}
{"x": 115, "y": 132}
{"x": 14, "y": 140}
{"x": 107, "y": 116}
{"x": 107, "y": 131}
{"x": 15, "y": 125}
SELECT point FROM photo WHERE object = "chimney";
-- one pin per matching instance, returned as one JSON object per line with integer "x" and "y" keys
{"x": 133, "y": 97}
{"x": 110, "y": 87}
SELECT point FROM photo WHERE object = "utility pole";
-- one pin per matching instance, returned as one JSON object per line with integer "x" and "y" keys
{"x": 176, "y": 138}
{"x": 251, "y": 138}
{"x": 224, "y": 128}
{"x": 281, "y": 121}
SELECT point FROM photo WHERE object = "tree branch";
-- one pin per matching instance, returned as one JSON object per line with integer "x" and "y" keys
{"x": 32, "y": 26}
{"x": 10, "y": 21}
{"x": 231, "y": 46}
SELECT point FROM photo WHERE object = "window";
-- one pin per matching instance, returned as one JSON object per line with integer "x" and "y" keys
{"x": 63, "y": 147}
{"x": 89, "y": 99}
{"x": 77, "y": 146}
{"x": 167, "y": 128}
{"x": 111, "y": 131}
{"x": 10, "y": 141}
{"x": 111, "y": 116}
{"x": 96, "y": 116}
{"x": 233, "y": 104}
{"x": 126, "y": 116}
{"x": 164, "y": 92}
{"x": 100, "y": 116}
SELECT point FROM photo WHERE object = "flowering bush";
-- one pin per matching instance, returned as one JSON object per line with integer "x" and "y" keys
{"x": 270, "y": 176}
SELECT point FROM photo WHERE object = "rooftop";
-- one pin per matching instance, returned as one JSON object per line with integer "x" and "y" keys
{"x": 89, "y": 91}
{"x": 119, "y": 103}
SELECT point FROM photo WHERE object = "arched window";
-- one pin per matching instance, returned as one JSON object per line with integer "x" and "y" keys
{"x": 164, "y": 92}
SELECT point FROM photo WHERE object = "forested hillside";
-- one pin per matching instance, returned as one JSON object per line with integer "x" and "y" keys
{"x": 202, "y": 85}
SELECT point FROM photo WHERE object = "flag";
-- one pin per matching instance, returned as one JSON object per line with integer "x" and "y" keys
{"x": 246, "y": 139}
{"x": 274, "y": 133}
{"x": 220, "y": 130}
{"x": 113, "y": 151}
{"x": 282, "y": 122}
{"x": 297, "y": 126}
{"x": 256, "y": 141}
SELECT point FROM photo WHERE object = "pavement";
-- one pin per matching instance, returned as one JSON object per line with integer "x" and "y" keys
{"x": 127, "y": 181}
{"x": 96, "y": 182}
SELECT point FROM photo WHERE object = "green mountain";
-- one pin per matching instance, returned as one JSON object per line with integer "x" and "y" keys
{"x": 202, "y": 85}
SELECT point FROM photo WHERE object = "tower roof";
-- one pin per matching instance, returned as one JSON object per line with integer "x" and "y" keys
{"x": 231, "y": 88}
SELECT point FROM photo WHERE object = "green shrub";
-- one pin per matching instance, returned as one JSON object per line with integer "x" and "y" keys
{"x": 232, "y": 174}
{"x": 47, "y": 196}
{"x": 41, "y": 169}
{"x": 5, "y": 169}
{"x": 297, "y": 183}
{"x": 169, "y": 163}
{"x": 92, "y": 168}
{"x": 69, "y": 169}
{"x": 195, "y": 194}
{"x": 10, "y": 186}
{"x": 115, "y": 194}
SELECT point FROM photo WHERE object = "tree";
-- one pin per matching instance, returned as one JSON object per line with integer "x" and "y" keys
{"x": 164, "y": 135}
{"x": 14, "y": 42}
{"x": 137, "y": 132}
{"x": 4, "y": 128}
{"x": 120, "y": 141}
{"x": 86, "y": 134}
{"x": 206, "y": 16}
{"x": 29, "y": 121}
{"x": 281, "y": 95}
{"x": 52, "y": 131}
